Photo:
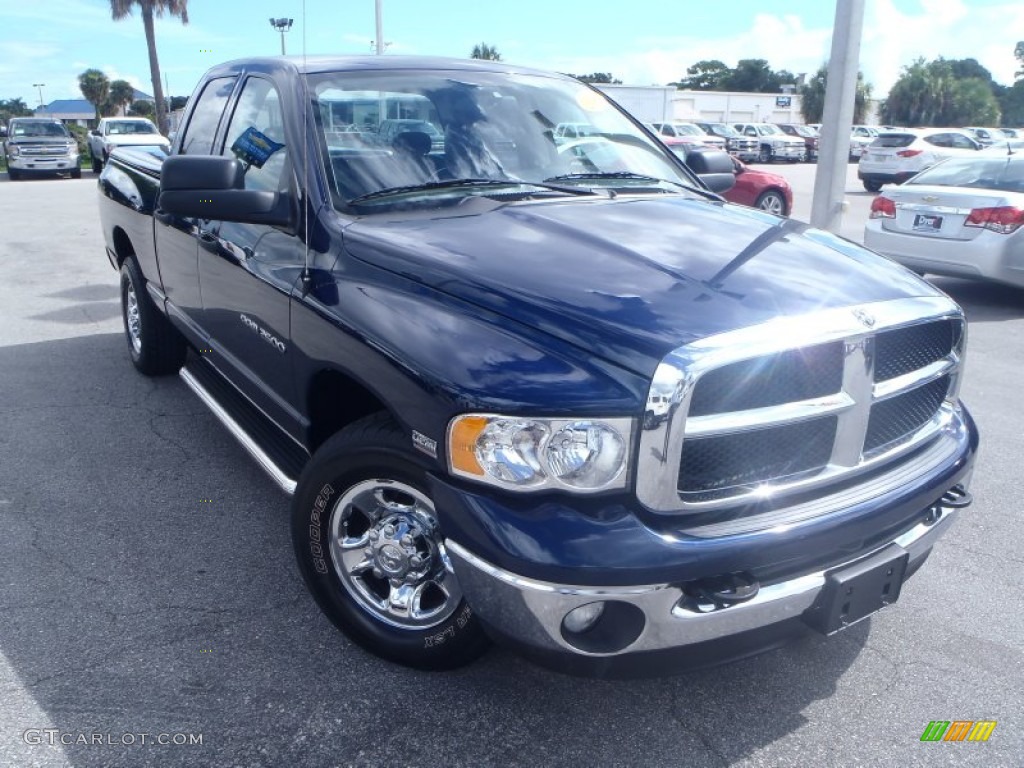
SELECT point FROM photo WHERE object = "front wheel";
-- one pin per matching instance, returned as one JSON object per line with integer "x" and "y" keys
{"x": 154, "y": 345}
{"x": 872, "y": 186}
{"x": 12, "y": 174}
{"x": 765, "y": 155}
{"x": 76, "y": 173}
{"x": 97, "y": 166}
{"x": 369, "y": 547}
{"x": 772, "y": 202}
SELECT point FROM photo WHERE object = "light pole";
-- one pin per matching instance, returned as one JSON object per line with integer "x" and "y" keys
{"x": 40, "y": 86}
{"x": 282, "y": 26}
{"x": 379, "y": 13}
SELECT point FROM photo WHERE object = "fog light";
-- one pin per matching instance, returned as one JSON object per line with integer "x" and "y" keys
{"x": 583, "y": 618}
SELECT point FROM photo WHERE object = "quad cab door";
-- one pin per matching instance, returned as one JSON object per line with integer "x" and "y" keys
{"x": 248, "y": 271}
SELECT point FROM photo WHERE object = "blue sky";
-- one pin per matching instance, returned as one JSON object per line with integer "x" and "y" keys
{"x": 51, "y": 41}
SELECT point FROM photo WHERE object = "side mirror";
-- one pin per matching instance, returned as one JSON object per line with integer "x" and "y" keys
{"x": 213, "y": 187}
{"x": 714, "y": 167}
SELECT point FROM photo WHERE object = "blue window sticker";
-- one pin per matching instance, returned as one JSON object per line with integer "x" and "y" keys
{"x": 254, "y": 148}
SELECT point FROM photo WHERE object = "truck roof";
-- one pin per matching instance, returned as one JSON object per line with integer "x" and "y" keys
{"x": 314, "y": 64}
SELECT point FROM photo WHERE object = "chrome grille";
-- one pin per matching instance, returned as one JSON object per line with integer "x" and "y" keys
{"x": 893, "y": 419}
{"x": 40, "y": 151}
{"x": 713, "y": 467}
{"x": 903, "y": 350}
{"x": 797, "y": 374}
{"x": 799, "y": 402}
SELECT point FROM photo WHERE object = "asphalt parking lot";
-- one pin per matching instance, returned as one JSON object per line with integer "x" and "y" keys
{"x": 131, "y": 605}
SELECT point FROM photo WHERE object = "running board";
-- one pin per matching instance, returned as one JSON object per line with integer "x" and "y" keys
{"x": 278, "y": 459}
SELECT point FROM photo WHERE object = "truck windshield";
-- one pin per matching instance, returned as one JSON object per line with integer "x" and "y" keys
{"x": 405, "y": 131}
{"x": 130, "y": 126}
{"x": 38, "y": 129}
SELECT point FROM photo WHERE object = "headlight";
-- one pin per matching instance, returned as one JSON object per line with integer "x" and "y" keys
{"x": 72, "y": 149}
{"x": 13, "y": 150}
{"x": 583, "y": 455}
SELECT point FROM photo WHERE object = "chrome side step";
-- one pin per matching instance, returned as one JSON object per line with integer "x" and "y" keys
{"x": 278, "y": 475}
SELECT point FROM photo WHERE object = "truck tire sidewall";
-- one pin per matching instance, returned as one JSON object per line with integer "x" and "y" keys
{"x": 339, "y": 465}
{"x": 97, "y": 166}
{"x": 162, "y": 350}
{"x": 765, "y": 155}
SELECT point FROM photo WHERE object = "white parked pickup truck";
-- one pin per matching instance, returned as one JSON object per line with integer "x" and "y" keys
{"x": 773, "y": 143}
{"x": 114, "y": 132}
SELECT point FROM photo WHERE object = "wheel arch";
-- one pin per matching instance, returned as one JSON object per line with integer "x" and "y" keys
{"x": 335, "y": 399}
{"x": 123, "y": 247}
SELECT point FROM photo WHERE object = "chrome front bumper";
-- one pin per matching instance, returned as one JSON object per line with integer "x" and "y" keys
{"x": 532, "y": 612}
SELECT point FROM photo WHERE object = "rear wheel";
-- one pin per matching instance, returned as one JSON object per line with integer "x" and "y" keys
{"x": 773, "y": 202}
{"x": 154, "y": 345}
{"x": 368, "y": 545}
{"x": 872, "y": 186}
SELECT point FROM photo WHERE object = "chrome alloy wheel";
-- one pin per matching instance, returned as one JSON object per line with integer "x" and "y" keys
{"x": 387, "y": 551}
{"x": 773, "y": 204}
{"x": 133, "y": 323}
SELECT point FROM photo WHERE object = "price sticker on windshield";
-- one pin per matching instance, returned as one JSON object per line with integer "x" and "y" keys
{"x": 254, "y": 148}
{"x": 591, "y": 101}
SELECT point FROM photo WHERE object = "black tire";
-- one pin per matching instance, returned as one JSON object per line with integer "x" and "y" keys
{"x": 369, "y": 457}
{"x": 773, "y": 202}
{"x": 872, "y": 186}
{"x": 76, "y": 173}
{"x": 154, "y": 345}
{"x": 97, "y": 165}
{"x": 765, "y": 154}
{"x": 12, "y": 174}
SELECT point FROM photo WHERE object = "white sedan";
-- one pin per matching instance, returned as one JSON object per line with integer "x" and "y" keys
{"x": 963, "y": 217}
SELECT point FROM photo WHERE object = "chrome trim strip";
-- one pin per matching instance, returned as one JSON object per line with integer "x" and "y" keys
{"x": 943, "y": 209}
{"x": 531, "y": 611}
{"x": 661, "y": 446}
{"x": 883, "y": 390}
{"x": 284, "y": 482}
{"x": 756, "y": 418}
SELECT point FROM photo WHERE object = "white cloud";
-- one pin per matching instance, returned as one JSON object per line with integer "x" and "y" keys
{"x": 892, "y": 37}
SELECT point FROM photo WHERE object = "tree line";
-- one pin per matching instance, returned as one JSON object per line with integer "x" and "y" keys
{"x": 941, "y": 92}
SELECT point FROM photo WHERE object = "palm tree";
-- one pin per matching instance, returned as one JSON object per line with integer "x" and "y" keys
{"x": 119, "y": 9}
{"x": 95, "y": 87}
{"x": 121, "y": 94}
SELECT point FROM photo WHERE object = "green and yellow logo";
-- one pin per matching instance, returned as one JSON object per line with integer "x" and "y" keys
{"x": 958, "y": 730}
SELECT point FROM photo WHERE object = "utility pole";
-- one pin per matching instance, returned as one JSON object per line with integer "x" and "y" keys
{"x": 837, "y": 117}
{"x": 40, "y": 86}
{"x": 380, "y": 26}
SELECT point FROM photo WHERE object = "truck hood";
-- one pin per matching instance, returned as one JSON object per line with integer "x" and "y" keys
{"x": 629, "y": 279}
{"x": 135, "y": 139}
{"x": 40, "y": 141}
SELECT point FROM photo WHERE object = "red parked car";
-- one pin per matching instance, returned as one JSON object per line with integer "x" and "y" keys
{"x": 758, "y": 189}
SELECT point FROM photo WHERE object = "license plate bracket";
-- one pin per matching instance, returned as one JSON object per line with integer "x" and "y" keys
{"x": 926, "y": 222}
{"x": 856, "y": 591}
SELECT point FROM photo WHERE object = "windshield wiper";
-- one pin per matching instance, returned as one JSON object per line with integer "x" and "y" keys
{"x": 629, "y": 175}
{"x": 454, "y": 183}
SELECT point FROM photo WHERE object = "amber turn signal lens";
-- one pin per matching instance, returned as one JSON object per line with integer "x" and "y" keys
{"x": 462, "y": 441}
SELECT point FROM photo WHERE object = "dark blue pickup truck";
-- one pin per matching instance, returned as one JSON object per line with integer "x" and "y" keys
{"x": 554, "y": 392}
